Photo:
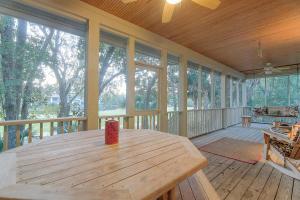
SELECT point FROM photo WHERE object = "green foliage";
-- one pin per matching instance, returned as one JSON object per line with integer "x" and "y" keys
{"x": 146, "y": 88}
{"x": 173, "y": 85}
{"x": 273, "y": 91}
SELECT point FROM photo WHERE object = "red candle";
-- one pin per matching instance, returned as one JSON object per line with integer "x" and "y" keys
{"x": 111, "y": 132}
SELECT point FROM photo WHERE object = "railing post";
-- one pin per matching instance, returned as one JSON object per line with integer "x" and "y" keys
{"x": 126, "y": 122}
{"x": 163, "y": 100}
{"x": 183, "y": 97}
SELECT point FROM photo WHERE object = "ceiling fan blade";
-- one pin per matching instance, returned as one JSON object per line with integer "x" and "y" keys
{"x": 128, "y": 1}
{"x": 276, "y": 70}
{"x": 211, "y": 4}
{"x": 167, "y": 12}
{"x": 283, "y": 68}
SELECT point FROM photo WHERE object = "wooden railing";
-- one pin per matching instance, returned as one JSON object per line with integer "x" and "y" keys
{"x": 200, "y": 122}
{"x": 25, "y": 131}
{"x": 123, "y": 120}
{"x": 203, "y": 121}
{"x": 147, "y": 121}
{"x": 232, "y": 116}
{"x": 173, "y": 122}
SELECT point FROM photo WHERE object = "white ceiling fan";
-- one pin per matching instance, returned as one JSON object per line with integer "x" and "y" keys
{"x": 269, "y": 69}
{"x": 170, "y": 6}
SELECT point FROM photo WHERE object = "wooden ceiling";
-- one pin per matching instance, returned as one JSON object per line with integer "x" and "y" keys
{"x": 229, "y": 34}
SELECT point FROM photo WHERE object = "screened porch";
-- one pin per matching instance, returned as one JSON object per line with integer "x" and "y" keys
{"x": 193, "y": 123}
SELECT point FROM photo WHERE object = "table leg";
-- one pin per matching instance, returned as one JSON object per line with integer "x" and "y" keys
{"x": 172, "y": 194}
{"x": 163, "y": 197}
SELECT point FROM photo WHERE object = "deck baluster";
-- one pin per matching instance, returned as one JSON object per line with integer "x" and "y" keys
{"x": 51, "y": 128}
{"x": 5, "y": 138}
{"x": 18, "y": 136}
{"x": 29, "y": 133}
{"x": 41, "y": 131}
{"x": 70, "y": 127}
{"x": 62, "y": 131}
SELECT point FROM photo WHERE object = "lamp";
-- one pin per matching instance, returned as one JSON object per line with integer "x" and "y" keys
{"x": 174, "y": 1}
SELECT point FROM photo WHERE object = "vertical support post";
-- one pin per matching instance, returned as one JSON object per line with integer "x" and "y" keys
{"x": 244, "y": 92}
{"x": 130, "y": 106}
{"x": 265, "y": 91}
{"x": 163, "y": 98}
{"x": 212, "y": 93}
{"x": 238, "y": 93}
{"x": 183, "y": 97}
{"x": 223, "y": 90}
{"x": 199, "y": 90}
{"x": 92, "y": 75}
{"x": 223, "y": 99}
{"x": 289, "y": 91}
{"x": 230, "y": 91}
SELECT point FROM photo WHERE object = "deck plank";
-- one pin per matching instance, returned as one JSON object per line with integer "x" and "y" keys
{"x": 285, "y": 188}
{"x": 186, "y": 190}
{"x": 271, "y": 187}
{"x": 246, "y": 181}
{"x": 260, "y": 181}
{"x": 296, "y": 190}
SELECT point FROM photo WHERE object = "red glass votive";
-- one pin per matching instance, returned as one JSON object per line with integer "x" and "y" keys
{"x": 111, "y": 132}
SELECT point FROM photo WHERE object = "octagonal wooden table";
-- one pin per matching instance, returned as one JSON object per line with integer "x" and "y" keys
{"x": 144, "y": 165}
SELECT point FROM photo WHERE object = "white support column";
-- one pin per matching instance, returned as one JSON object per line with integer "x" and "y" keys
{"x": 200, "y": 95}
{"x": 223, "y": 99}
{"x": 92, "y": 75}
{"x": 183, "y": 97}
{"x": 238, "y": 93}
{"x": 163, "y": 98}
{"x": 265, "y": 91}
{"x": 212, "y": 96}
{"x": 223, "y": 90}
{"x": 289, "y": 91}
{"x": 230, "y": 91}
{"x": 244, "y": 92}
{"x": 130, "y": 106}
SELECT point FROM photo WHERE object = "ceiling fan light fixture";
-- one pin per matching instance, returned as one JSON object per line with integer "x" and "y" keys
{"x": 174, "y": 1}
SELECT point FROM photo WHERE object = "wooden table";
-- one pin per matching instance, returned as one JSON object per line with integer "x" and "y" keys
{"x": 144, "y": 165}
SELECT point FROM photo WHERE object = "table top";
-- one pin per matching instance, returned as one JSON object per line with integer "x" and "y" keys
{"x": 144, "y": 165}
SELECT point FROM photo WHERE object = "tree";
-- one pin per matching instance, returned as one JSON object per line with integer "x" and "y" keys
{"x": 66, "y": 59}
{"x": 173, "y": 85}
{"x": 16, "y": 48}
{"x": 193, "y": 86}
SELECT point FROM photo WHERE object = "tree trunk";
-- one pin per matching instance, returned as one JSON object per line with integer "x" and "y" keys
{"x": 8, "y": 76}
{"x": 19, "y": 65}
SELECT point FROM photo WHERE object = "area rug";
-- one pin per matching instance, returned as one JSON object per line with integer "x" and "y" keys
{"x": 244, "y": 151}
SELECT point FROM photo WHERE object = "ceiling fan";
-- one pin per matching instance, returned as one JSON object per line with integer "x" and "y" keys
{"x": 269, "y": 69}
{"x": 171, "y": 4}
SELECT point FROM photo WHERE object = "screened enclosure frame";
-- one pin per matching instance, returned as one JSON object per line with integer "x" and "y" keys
{"x": 99, "y": 20}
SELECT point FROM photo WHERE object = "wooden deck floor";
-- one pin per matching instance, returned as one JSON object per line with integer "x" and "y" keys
{"x": 234, "y": 180}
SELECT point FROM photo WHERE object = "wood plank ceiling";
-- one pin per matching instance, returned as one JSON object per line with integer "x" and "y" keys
{"x": 229, "y": 34}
